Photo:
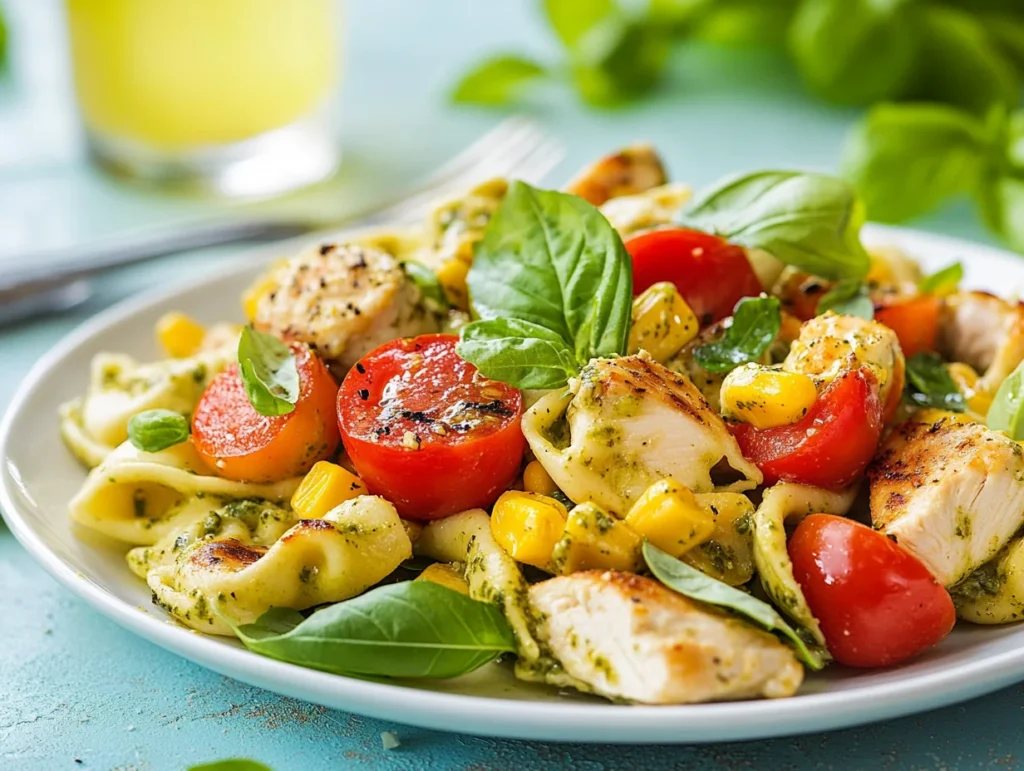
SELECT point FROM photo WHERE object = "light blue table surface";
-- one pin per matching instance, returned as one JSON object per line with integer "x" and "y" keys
{"x": 76, "y": 691}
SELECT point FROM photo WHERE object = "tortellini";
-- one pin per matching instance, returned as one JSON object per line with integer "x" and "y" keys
{"x": 139, "y": 497}
{"x": 248, "y": 557}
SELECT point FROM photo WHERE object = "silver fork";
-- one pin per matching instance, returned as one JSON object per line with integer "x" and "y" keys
{"x": 515, "y": 148}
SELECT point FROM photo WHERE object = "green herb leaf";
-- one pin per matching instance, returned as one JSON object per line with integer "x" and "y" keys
{"x": 907, "y": 159}
{"x": 849, "y": 297}
{"x": 854, "y": 51}
{"x": 156, "y": 430}
{"x": 519, "y": 353}
{"x": 690, "y": 582}
{"x": 744, "y": 22}
{"x": 755, "y": 324}
{"x": 944, "y": 281}
{"x": 409, "y": 629}
{"x": 808, "y": 220}
{"x": 553, "y": 260}
{"x": 619, "y": 60}
{"x": 237, "y": 764}
{"x": 930, "y": 385}
{"x": 1007, "y": 410}
{"x": 572, "y": 19}
{"x": 498, "y": 81}
{"x": 425, "y": 279}
{"x": 1000, "y": 195}
{"x": 269, "y": 373}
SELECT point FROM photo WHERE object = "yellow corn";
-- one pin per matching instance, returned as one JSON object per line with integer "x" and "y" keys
{"x": 180, "y": 335}
{"x": 324, "y": 487}
{"x": 766, "y": 397}
{"x": 669, "y": 516}
{"x": 445, "y": 575}
{"x": 662, "y": 322}
{"x": 978, "y": 399}
{"x": 527, "y": 526}
{"x": 595, "y": 540}
{"x": 536, "y": 479}
{"x": 452, "y": 275}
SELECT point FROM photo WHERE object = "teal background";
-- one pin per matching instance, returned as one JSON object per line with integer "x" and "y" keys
{"x": 75, "y": 687}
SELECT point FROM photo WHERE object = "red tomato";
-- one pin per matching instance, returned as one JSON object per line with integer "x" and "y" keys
{"x": 876, "y": 603}
{"x": 426, "y": 431}
{"x": 711, "y": 274}
{"x": 915, "y": 322}
{"x": 830, "y": 446}
{"x": 239, "y": 443}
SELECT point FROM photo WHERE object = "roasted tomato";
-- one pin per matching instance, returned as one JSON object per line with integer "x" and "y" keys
{"x": 915, "y": 322}
{"x": 426, "y": 431}
{"x": 876, "y": 603}
{"x": 711, "y": 274}
{"x": 830, "y": 446}
{"x": 239, "y": 443}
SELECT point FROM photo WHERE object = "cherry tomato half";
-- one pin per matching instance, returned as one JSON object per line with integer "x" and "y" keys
{"x": 426, "y": 431}
{"x": 239, "y": 443}
{"x": 876, "y": 603}
{"x": 830, "y": 446}
{"x": 711, "y": 274}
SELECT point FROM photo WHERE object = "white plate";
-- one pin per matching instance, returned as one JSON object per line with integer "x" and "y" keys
{"x": 39, "y": 476}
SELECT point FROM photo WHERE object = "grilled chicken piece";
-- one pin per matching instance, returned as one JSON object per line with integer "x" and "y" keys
{"x": 627, "y": 172}
{"x": 627, "y": 637}
{"x": 344, "y": 300}
{"x": 652, "y": 208}
{"x": 625, "y": 424}
{"x": 950, "y": 492}
{"x": 984, "y": 331}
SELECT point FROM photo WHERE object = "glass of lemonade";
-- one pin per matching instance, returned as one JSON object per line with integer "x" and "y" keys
{"x": 229, "y": 96}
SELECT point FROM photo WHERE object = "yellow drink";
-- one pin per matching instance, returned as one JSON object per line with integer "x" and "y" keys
{"x": 185, "y": 73}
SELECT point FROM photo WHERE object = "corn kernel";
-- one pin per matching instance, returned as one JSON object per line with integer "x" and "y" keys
{"x": 766, "y": 397}
{"x": 527, "y": 526}
{"x": 180, "y": 335}
{"x": 977, "y": 398}
{"x": 669, "y": 516}
{"x": 662, "y": 322}
{"x": 537, "y": 480}
{"x": 324, "y": 487}
{"x": 452, "y": 275}
{"x": 595, "y": 540}
{"x": 445, "y": 575}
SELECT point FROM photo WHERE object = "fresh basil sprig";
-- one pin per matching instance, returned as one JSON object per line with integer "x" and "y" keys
{"x": 408, "y": 629}
{"x": 811, "y": 221}
{"x": 850, "y": 298}
{"x": 156, "y": 430}
{"x": 427, "y": 282}
{"x": 268, "y": 371}
{"x": 550, "y": 279}
{"x": 755, "y": 324}
{"x": 1007, "y": 410}
{"x": 943, "y": 282}
{"x": 690, "y": 582}
{"x": 498, "y": 80}
{"x": 930, "y": 385}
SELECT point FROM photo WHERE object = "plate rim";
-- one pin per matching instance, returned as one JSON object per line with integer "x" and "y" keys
{"x": 485, "y": 715}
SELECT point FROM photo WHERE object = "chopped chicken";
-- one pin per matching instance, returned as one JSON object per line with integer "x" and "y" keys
{"x": 344, "y": 300}
{"x": 949, "y": 492}
{"x": 984, "y": 331}
{"x": 627, "y": 172}
{"x": 625, "y": 424}
{"x": 628, "y": 637}
{"x": 652, "y": 208}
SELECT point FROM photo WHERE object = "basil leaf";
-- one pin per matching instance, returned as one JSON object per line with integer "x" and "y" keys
{"x": 944, "y": 281}
{"x": 516, "y": 352}
{"x": 427, "y": 282}
{"x": 156, "y": 430}
{"x": 854, "y": 51}
{"x": 755, "y": 323}
{"x": 269, "y": 373}
{"x": 497, "y": 81}
{"x": 235, "y": 764}
{"x": 850, "y": 298}
{"x": 1001, "y": 200}
{"x": 572, "y": 19}
{"x": 744, "y": 22}
{"x": 553, "y": 260}
{"x": 620, "y": 60}
{"x": 808, "y": 220}
{"x": 905, "y": 160}
{"x": 690, "y": 582}
{"x": 930, "y": 385}
{"x": 1007, "y": 410}
{"x": 408, "y": 629}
